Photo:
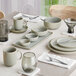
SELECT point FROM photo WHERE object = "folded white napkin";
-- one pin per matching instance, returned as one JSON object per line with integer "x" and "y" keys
{"x": 26, "y": 18}
{"x": 45, "y": 58}
{"x": 29, "y": 74}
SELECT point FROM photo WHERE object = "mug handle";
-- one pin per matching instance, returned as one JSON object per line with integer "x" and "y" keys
{"x": 25, "y": 23}
{"x": 20, "y": 55}
{"x": 42, "y": 19}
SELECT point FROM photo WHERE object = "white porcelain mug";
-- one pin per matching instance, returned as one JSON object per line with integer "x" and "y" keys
{"x": 10, "y": 56}
{"x": 19, "y": 23}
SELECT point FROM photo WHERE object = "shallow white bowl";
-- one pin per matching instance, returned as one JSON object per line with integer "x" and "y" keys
{"x": 32, "y": 36}
{"x": 25, "y": 42}
{"x": 41, "y": 31}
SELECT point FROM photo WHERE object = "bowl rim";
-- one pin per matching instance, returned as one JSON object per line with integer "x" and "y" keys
{"x": 22, "y": 41}
{"x": 50, "y": 18}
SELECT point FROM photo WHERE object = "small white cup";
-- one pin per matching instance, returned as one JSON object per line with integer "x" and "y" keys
{"x": 10, "y": 56}
{"x": 19, "y": 23}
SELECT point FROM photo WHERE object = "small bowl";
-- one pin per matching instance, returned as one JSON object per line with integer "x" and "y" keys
{"x": 41, "y": 31}
{"x": 32, "y": 36}
{"x": 52, "y": 23}
{"x": 25, "y": 42}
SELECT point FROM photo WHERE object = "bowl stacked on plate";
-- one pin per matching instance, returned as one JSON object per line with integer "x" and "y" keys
{"x": 63, "y": 45}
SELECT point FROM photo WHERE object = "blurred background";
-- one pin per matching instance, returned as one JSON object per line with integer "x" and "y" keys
{"x": 34, "y": 7}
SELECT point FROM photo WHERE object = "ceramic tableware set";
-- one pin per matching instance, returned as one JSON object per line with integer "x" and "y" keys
{"x": 32, "y": 38}
{"x": 63, "y": 45}
{"x": 29, "y": 62}
{"x": 36, "y": 35}
{"x": 20, "y": 22}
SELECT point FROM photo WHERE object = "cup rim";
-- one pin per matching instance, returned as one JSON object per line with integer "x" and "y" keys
{"x": 9, "y": 47}
{"x": 50, "y": 18}
{"x": 28, "y": 56}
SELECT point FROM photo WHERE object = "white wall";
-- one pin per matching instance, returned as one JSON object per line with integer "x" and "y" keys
{"x": 26, "y": 6}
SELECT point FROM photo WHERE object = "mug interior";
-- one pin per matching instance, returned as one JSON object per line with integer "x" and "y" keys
{"x": 53, "y": 20}
{"x": 10, "y": 49}
{"x": 19, "y": 18}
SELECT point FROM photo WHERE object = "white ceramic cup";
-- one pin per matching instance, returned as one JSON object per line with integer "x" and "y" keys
{"x": 19, "y": 23}
{"x": 10, "y": 56}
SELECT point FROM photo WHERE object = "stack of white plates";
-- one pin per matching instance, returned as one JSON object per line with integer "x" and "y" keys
{"x": 63, "y": 45}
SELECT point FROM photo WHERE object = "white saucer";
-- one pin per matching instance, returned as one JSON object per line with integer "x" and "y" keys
{"x": 67, "y": 42}
{"x": 19, "y": 31}
{"x": 54, "y": 44}
{"x": 59, "y": 51}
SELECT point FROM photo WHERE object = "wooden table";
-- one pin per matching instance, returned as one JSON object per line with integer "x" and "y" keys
{"x": 46, "y": 69}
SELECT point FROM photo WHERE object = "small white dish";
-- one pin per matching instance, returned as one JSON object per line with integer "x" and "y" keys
{"x": 25, "y": 42}
{"x": 54, "y": 44}
{"x": 32, "y": 36}
{"x": 67, "y": 42}
{"x": 41, "y": 31}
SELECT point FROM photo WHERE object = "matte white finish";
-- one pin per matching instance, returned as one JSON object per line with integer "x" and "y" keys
{"x": 52, "y": 23}
{"x": 10, "y": 56}
{"x": 19, "y": 23}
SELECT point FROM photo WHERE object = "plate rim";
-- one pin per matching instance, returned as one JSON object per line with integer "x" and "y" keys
{"x": 60, "y": 52}
{"x": 62, "y": 47}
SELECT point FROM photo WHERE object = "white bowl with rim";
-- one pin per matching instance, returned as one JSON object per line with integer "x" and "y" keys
{"x": 32, "y": 36}
{"x": 25, "y": 42}
{"x": 52, "y": 23}
{"x": 41, "y": 31}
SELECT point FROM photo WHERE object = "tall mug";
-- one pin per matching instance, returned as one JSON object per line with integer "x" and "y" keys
{"x": 3, "y": 30}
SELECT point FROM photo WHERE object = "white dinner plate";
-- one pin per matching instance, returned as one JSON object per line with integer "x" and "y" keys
{"x": 67, "y": 42}
{"x": 54, "y": 44}
{"x": 59, "y": 51}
